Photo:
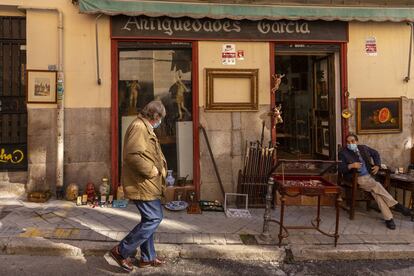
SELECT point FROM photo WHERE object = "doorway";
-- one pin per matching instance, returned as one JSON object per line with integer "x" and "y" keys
{"x": 13, "y": 110}
{"x": 307, "y": 95}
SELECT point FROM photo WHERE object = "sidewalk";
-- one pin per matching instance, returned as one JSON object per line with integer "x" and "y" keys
{"x": 61, "y": 227}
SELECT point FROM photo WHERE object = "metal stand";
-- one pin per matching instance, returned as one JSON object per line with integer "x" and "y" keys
{"x": 267, "y": 216}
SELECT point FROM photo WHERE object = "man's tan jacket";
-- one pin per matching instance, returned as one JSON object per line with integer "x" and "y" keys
{"x": 141, "y": 153}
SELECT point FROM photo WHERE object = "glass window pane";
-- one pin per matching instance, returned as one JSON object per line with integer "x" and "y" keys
{"x": 160, "y": 71}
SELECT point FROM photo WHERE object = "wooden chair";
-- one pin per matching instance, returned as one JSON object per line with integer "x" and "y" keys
{"x": 353, "y": 194}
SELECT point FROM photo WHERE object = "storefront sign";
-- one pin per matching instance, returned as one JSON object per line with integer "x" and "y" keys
{"x": 166, "y": 27}
{"x": 13, "y": 157}
{"x": 371, "y": 46}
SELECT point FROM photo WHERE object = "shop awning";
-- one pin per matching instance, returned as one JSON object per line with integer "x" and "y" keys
{"x": 245, "y": 11}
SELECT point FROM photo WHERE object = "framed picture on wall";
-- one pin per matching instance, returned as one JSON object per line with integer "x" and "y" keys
{"x": 379, "y": 115}
{"x": 232, "y": 89}
{"x": 41, "y": 86}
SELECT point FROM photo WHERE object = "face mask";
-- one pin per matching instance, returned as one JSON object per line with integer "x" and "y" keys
{"x": 157, "y": 124}
{"x": 352, "y": 147}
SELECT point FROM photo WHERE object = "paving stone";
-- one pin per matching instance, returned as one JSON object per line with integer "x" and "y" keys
{"x": 272, "y": 241}
{"x": 202, "y": 238}
{"x": 185, "y": 238}
{"x": 407, "y": 237}
{"x": 309, "y": 239}
{"x": 323, "y": 239}
{"x": 233, "y": 239}
{"x": 96, "y": 236}
{"x": 350, "y": 239}
{"x": 112, "y": 235}
{"x": 217, "y": 239}
{"x": 168, "y": 238}
{"x": 84, "y": 234}
{"x": 390, "y": 239}
{"x": 296, "y": 239}
{"x": 367, "y": 238}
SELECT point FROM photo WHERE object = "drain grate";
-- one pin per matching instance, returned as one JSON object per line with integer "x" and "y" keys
{"x": 248, "y": 239}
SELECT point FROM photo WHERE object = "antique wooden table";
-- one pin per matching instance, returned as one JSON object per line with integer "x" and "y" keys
{"x": 314, "y": 186}
{"x": 307, "y": 185}
{"x": 404, "y": 182}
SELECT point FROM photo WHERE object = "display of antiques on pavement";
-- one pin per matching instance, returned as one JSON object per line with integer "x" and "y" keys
{"x": 252, "y": 178}
{"x": 95, "y": 198}
{"x": 180, "y": 196}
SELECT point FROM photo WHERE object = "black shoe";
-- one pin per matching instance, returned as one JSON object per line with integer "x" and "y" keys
{"x": 123, "y": 263}
{"x": 402, "y": 209}
{"x": 390, "y": 224}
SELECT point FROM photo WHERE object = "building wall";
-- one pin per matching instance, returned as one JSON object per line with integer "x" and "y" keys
{"x": 87, "y": 104}
{"x": 12, "y": 183}
{"x": 229, "y": 131}
{"x": 87, "y": 117}
{"x": 382, "y": 76}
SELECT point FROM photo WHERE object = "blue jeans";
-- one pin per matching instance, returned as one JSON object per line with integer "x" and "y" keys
{"x": 143, "y": 234}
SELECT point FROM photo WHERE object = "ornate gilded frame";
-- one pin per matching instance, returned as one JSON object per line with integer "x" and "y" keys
{"x": 213, "y": 74}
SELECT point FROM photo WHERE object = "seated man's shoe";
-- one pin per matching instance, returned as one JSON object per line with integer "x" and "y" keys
{"x": 156, "y": 262}
{"x": 402, "y": 209}
{"x": 123, "y": 263}
{"x": 390, "y": 224}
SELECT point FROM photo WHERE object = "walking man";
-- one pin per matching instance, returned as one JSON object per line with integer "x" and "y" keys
{"x": 143, "y": 179}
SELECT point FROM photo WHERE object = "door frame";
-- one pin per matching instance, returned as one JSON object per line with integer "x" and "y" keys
{"x": 115, "y": 169}
{"x": 343, "y": 79}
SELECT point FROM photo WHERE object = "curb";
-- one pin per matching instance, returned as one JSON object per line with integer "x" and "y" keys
{"x": 48, "y": 247}
{"x": 351, "y": 252}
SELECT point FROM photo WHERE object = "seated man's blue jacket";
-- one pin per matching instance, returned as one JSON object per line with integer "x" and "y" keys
{"x": 346, "y": 156}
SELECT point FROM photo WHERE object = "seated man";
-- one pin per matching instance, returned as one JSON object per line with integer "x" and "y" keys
{"x": 359, "y": 157}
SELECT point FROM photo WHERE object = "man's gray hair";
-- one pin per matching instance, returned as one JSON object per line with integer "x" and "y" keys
{"x": 153, "y": 110}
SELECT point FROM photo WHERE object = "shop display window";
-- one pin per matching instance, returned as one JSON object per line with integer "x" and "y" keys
{"x": 159, "y": 71}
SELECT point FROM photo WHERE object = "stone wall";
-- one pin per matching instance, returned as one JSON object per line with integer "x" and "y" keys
{"x": 87, "y": 147}
{"x": 41, "y": 149}
{"x": 394, "y": 148}
{"x": 12, "y": 184}
{"x": 227, "y": 133}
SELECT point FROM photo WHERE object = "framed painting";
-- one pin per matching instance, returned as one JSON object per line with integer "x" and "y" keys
{"x": 41, "y": 86}
{"x": 379, "y": 115}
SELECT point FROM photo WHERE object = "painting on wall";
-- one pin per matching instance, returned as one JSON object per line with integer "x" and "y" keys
{"x": 41, "y": 86}
{"x": 379, "y": 115}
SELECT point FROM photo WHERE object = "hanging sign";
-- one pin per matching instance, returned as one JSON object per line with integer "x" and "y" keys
{"x": 228, "y": 54}
{"x": 371, "y": 46}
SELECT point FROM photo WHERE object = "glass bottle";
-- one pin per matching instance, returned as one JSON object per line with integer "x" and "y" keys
{"x": 104, "y": 188}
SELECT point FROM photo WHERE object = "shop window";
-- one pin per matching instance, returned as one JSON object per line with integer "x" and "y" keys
{"x": 159, "y": 71}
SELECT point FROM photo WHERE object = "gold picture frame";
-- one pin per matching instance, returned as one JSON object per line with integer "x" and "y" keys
{"x": 379, "y": 115}
{"x": 232, "y": 89}
{"x": 41, "y": 86}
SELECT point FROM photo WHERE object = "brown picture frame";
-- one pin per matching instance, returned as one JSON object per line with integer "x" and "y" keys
{"x": 379, "y": 115}
{"x": 212, "y": 104}
{"x": 41, "y": 86}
